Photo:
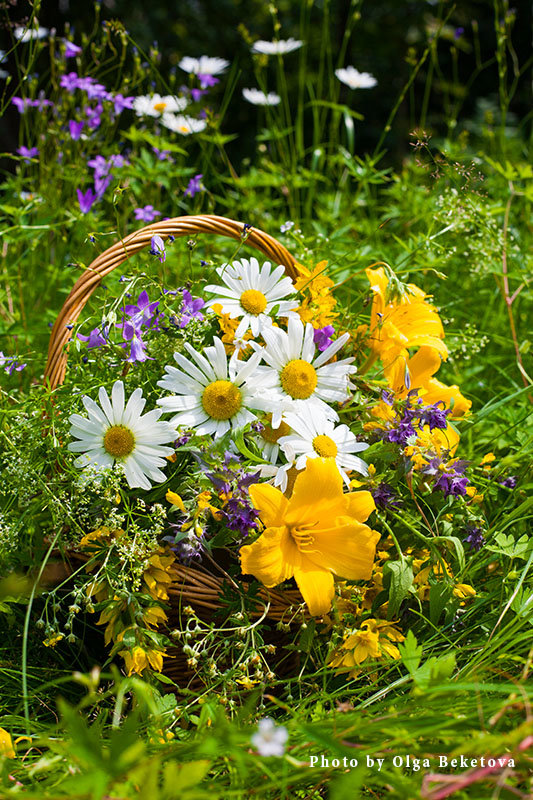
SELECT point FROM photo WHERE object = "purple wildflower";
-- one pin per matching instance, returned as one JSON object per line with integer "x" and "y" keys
{"x": 120, "y": 102}
{"x": 86, "y": 200}
{"x": 207, "y": 80}
{"x": 146, "y": 214}
{"x": 142, "y": 315}
{"x": 70, "y": 82}
{"x": 100, "y": 166}
{"x": 183, "y": 439}
{"x": 449, "y": 478}
{"x": 194, "y": 186}
{"x": 322, "y": 337}
{"x": 385, "y": 497}
{"x": 98, "y": 337}
{"x": 162, "y": 155}
{"x": 101, "y": 184}
{"x": 387, "y": 397}
{"x": 75, "y": 129}
{"x": 28, "y": 152}
{"x": 510, "y": 482}
{"x": 474, "y": 538}
{"x": 434, "y": 416}
{"x": 286, "y": 226}
{"x": 190, "y": 308}
{"x": 22, "y": 104}
{"x": 458, "y": 32}
{"x": 71, "y": 50}
{"x": 197, "y": 94}
{"x": 157, "y": 248}
{"x": 117, "y": 160}
{"x": 10, "y": 364}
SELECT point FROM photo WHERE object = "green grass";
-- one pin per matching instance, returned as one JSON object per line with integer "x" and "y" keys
{"x": 454, "y": 218}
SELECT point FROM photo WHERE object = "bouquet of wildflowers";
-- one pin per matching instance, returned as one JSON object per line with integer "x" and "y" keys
{"x": 254, "y": 430}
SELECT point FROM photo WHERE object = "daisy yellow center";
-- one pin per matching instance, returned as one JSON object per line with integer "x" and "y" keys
{"x": 184, "y": 129}
{"x": 253, "y": 301}
{"x": 271, "y": 435}
{"x": 119, "y": 441}
{"x": 298, "y": 378}
{"x": 221, "y": 399}
{"x": 160, "y": 107}
{"x": 324, "y": 446}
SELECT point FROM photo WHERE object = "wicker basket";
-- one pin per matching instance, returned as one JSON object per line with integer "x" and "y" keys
{"x": 195, "y": 587}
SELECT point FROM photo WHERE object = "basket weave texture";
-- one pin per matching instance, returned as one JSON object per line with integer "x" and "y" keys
{"x": 194, "y": 587}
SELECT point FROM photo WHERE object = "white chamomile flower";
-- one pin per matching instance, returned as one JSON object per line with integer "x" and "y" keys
{"x": 259, "y": 98}
{"x": 253, "y": 293}
{"x": 114, "y": 433}
{"x": 270, "y": 738}
{"x": 354, "y": 79}
{"x": 205, "y": 65}
{"x": 296, "y": 375}
{"x": 155, "y": 105}
{"x": 269, "y": 437}
{"x": 314, "y": 436}
{"x": 179, "y": 123}
{"x": 27, "y": 34}
{"x": 210, "y": 395}
{"x": 279, "y": 47}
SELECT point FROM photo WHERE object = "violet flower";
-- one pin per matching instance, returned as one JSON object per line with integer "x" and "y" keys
{"x": 121, "y": 103}
{"x": 86, "y": 200}
{"x": 75, "y": 129}
{"x": 146, "y": 214}
{"x": 207, "y": 80}
{"x": 384, "y": 496}
{"x": 322, "y": 337}
{"x": 22, "y": 104}
{"x": 190, "y": 308}
{"x": 71, "y": 50}
{"x": 157, "y": 248}
{"x": 510, "y": 482}
{"x": 10, "y": 364}
{"x": 194, "y": 186}
{"x": 98, "y": 337}
{"x": 28, "y": 152}
{"x": 474, "y": 538}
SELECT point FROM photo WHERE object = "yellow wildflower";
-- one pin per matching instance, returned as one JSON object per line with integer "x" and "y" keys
{"x": 159, "y": 575}
{"x": 53, "y": 640}
{"x": 139, "y": 659}
{"x": 318, "y": 301}
{"x": 6, "y": 744}
{"x": 247, "y": 683}
{"x": 228, "y": 326}
{"x": 475, "y": 496}
{"x": 315, "y": 534}
{"x": 400, "y": 323}
{"x": 464, "y": 591}
{"x": 373, "y": 639}
{"x": 153, "y": 616}
{"x": 175, "y": 499}
{"x": 488, "y": 458}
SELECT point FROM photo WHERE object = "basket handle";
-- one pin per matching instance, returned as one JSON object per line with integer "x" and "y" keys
{"x": 107, "y": 261}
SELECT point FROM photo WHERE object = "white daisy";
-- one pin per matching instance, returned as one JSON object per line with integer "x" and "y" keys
{"x": 253, "y": 293}
{"x": 210, "y": 394}
{"x": 27, "y": 34}
{"x": 313, "y": 436}
{"x": 279, "y": 47}
{"x": 179, "y": 123}
{"x": 155, "y": 105}
{"x": 269, "y": 437}
{"x": 296, "y": 376}
{"x": 259, "y": 98}
{"x": 205, "y": 65}
{"x": 354, "y": 79}
{"x": 114, "y": 433}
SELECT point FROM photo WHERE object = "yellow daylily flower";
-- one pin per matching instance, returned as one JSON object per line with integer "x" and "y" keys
{"x": 400, "y": 323}
{"x": 6, "y": 744}
{"x": 421, "y": 367}
{"x": 315, "y": 534}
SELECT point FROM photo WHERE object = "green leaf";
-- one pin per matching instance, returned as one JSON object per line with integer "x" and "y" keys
{"x": 411, "y": 653}
{"x": 398, "y": 579}
{"x": 439, "y": 594}
{"x": 347, "y": 785}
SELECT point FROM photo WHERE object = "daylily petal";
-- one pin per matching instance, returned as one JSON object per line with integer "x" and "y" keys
{"x": 317, "y": 494}
{"x": 316, "y": 586}
{"x": 272, "y": 558}
{"x": 359, "y": 505}
{"x": 270, "y": 502}
{"x": 347, "y": 549}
